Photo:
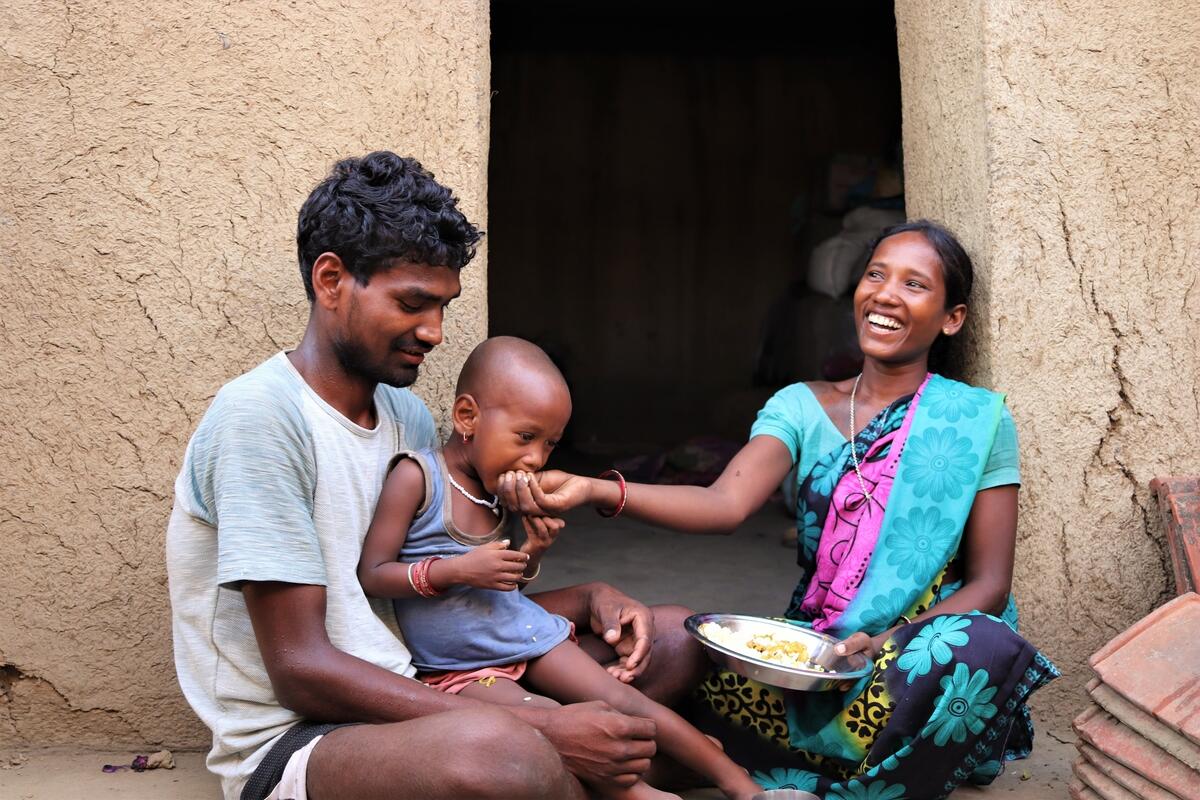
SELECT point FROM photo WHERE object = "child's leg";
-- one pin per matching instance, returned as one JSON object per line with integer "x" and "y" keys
{"x": 569, "y": 675}
{"x": 506, "y": 692}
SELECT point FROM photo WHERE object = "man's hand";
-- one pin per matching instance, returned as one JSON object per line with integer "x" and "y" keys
{"x": 599, "y": 745}
{"x": 625, "y": 625}
{"x": 488, "y": 566}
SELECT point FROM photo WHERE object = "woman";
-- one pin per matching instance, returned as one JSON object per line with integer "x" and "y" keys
{"x": 923, "y": 590}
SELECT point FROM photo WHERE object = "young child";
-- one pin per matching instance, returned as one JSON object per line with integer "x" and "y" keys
{"x": 454, "y": 582}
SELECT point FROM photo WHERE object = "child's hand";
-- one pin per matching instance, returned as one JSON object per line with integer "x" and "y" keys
{"x": 540, "y": 533}
{"x": 489, "y": 566}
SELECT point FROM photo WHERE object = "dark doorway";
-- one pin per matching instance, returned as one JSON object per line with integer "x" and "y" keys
{"x": 661, "y": 174}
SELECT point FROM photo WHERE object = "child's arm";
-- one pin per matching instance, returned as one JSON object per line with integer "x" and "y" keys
{"x": 379, "y": 572}
{"x": 489, "y": 566}
{"x": 540, "y": 533}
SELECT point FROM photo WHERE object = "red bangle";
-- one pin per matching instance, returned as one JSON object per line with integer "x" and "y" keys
{"x": 612, "y": 473}
{"x": 425, "y": 587}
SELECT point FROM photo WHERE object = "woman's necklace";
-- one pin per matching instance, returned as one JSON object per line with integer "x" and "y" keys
{"x": 492, "y": 505}
{"x": 853, "y": 445}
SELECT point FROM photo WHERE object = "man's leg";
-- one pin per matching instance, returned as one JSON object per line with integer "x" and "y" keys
{"x": 677, "y": 661}
{"x": 481, "y": 753}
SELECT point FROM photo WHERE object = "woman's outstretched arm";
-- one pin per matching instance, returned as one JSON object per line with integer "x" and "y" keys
{"x": 741, "y": 490}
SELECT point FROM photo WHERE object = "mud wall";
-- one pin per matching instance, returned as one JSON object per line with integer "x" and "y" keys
{"x": 1059, "y": 139}
{"x": 155, "y": 156}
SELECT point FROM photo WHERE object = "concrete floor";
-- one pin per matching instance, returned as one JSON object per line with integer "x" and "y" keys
{"x": 748, "y": 572}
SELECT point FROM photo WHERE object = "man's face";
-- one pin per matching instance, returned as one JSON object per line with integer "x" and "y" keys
{"x": 387, "y": 326}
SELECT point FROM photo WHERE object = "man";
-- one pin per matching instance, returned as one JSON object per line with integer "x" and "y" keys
{"x": 305, "y": 683}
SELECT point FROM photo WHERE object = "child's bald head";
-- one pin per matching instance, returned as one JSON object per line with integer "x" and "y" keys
{"x": 504, "y": 369}
{"x": 511, "y": 410}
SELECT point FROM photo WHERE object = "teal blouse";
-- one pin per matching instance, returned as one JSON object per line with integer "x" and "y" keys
{"x": 795, "y": 417}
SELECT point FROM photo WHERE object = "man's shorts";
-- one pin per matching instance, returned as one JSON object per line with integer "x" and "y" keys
{"x": 281, "y": 774}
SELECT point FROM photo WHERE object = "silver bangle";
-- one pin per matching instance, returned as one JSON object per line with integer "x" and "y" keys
{"x": 412, "y": 564}
{"x": 536, "y": 572}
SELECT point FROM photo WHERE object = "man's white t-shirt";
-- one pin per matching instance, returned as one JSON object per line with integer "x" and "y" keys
{"x": 276, "y": 485}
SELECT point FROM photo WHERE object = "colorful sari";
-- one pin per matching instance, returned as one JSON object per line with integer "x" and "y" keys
{"x": 945, "y": 703}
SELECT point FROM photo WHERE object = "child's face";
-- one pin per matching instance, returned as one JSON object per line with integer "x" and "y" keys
{"x": 519, "y": 435}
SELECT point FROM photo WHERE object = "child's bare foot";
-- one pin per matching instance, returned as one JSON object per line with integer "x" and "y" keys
{"x": 643, "y": 791}
{"x": 740, "y": 788}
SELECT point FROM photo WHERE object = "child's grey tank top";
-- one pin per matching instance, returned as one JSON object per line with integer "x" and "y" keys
{"x": 465, "y": 628}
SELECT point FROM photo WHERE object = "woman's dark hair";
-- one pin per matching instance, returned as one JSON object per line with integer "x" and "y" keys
{"x": 373, "y": 210}
{"x": 957, "y": 272}
{"x": 949, "y": 353}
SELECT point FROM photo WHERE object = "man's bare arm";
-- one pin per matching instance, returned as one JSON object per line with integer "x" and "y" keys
{"x": 322, "y": 683}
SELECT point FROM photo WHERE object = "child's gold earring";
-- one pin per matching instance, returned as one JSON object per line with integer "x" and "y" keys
{"x": 466, "y": 437}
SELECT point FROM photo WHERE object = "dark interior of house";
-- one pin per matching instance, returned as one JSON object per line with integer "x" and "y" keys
{"x": 681, "y": 200}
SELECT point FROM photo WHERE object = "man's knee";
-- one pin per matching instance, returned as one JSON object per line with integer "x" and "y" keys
{"x": 678, "y": 662}
{"x": 672, "y": 639}
{"x": 668, "y": 623}
{"x": 503, "y": 757}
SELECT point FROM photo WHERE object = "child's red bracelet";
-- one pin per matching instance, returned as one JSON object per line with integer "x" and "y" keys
{"x": 612, "y": 473}
{"x": 424, "y": 586}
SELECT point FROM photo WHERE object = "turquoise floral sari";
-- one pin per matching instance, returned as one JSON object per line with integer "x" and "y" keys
{"x": 945, "y": 703}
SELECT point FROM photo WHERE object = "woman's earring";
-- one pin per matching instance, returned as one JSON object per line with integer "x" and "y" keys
{"x": 466, "y": 438}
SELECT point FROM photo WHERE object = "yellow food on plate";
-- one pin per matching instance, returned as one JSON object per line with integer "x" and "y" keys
{"x": 767, "y": 647}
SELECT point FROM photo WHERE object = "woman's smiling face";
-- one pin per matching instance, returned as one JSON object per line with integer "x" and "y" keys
{"x": 900, "y": 303}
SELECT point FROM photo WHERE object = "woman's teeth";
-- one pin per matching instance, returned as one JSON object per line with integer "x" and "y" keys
{"x": 882, "y": 321}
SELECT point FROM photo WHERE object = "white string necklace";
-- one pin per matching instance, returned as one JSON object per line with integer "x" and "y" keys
{"x": 853, "y": 445}
{"x": 492, "y": 505}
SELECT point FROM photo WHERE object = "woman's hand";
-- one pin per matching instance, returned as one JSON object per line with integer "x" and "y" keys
{"x": 546, "y": 493}
{"x": 860, "y": 643}
{"x": 488, "y": 566}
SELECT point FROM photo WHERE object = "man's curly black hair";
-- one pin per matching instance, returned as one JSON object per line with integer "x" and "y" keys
{"x": 373, "y": 210}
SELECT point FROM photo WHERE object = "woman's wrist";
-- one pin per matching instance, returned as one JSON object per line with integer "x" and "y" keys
{"x": 605, "y": 494}
{"x": 877, "y": 643}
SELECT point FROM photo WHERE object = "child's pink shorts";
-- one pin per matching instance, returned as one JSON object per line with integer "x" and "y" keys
{"x": 455, "y": 682}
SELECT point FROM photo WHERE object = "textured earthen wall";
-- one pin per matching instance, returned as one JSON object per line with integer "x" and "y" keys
{"x": 1076, "y": 190}
{"x": 154, "y": 157}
